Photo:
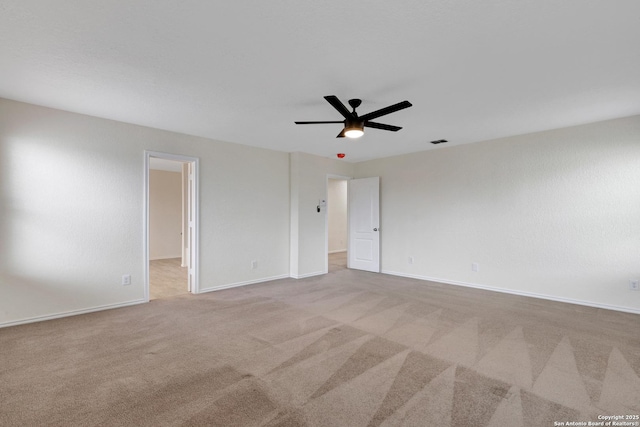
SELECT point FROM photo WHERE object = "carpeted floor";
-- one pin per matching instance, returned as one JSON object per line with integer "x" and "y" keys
{"x": 337, "y": 261}
{"x": 348, "y": 348}
{"x": 167, "y": 278}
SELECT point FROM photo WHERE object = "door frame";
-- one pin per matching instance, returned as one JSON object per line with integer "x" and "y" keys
{"x": 326, "y": 217}
{"x": 193, "y": 212}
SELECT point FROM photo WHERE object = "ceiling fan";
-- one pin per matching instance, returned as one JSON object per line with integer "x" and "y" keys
{"x": 353, "y": 124}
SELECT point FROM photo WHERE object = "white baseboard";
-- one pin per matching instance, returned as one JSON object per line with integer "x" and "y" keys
{"x": 69, "y": 313}
{"x": 514, "y": 292}
{"x": 304, "y": 276}
{"x": 337, "y": 251}
{"x": 245, "y": 283}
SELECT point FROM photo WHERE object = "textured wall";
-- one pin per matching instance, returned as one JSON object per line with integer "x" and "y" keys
{"x": 72, "y": 211}
{"x": 308, "y": 227}
{"x": 554, "y": 213}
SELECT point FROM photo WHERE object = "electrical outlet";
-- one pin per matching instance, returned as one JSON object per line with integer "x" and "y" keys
{"x": 410, "y": 260}
{"x": 126, "y": 279}
{"x": 254, "y": 264}
{"x": 633, "y": 285}
{"x": 475, "y": 267}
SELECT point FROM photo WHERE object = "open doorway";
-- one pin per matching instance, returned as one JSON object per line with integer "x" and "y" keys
{"x": 337, "y": 223}
{"x": 170, "y": 225}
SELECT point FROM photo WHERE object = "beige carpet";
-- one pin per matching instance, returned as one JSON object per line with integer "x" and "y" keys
{"x": 167, "y": 278}
{"x": 345, "y": 349}
{"x": 337, "y": 261}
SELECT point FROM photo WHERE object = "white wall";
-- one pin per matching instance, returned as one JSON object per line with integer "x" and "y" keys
{"x": 553, "y": 213}
{"x": 308, "y": 235}
{"x": 337, "y": 215}
{"x": 165, "y": 214}
{"x": 71, "y": 209}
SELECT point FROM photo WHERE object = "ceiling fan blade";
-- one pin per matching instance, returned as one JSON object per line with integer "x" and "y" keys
{"x": 382, "y": 126}
{"x": 341, "y": 134}
{"x": 318, "y": 123}
{"x": 333, "y": 100}
{"x": 387, "y": 110}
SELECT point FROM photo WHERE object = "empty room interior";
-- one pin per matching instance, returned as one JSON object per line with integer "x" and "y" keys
{"x": 320, "y": 213}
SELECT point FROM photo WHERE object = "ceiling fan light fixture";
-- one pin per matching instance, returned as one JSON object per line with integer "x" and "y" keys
{"x": 354, "y": 133}
{"x": 354, "y": 130}
{"x": 353, "y": 124}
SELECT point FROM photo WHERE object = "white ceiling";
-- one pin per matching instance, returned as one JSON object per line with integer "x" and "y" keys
{"x": 243, "y": 71}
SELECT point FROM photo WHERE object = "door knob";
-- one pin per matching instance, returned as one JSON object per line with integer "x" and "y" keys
{"x": 375, "y": 229}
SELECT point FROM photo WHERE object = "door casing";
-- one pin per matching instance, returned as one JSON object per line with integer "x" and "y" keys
{"x": 326, "y": 218}
{"x": 192, "y": 215}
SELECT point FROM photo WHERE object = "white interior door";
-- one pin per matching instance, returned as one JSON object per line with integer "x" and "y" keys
{"x": 185, "y": 214}
{"x": 190, "y": 226}
{"x": 364, "y": 224}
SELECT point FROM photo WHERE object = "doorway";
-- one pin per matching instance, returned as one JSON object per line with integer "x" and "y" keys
{"x": 337, "y": 234}
{"x": 171, "y": 226}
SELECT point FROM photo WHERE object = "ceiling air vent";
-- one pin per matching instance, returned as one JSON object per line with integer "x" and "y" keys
{"x": 439, "y": 141}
